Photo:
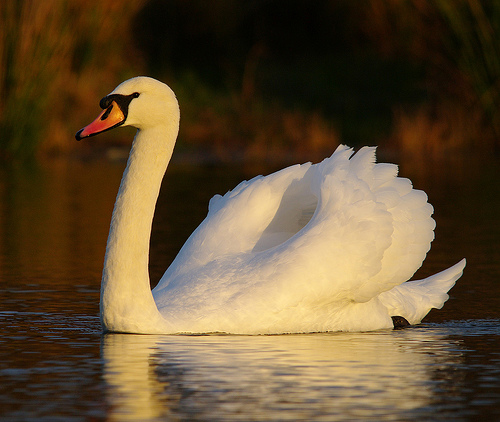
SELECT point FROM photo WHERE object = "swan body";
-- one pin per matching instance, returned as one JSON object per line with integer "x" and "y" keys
{"x": 310, "y": 248}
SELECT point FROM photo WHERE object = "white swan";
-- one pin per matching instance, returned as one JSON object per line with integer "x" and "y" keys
{"x": 310, "y": 248}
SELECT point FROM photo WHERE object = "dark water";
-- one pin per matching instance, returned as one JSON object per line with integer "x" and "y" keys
{"x": 56, "y": 365}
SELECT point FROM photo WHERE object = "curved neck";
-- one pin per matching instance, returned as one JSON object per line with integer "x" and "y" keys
{"x": 126, "y": 299}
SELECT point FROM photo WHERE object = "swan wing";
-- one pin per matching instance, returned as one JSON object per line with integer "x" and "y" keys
{"x": 307, "y": 237}
{"x": 235, "y": 222}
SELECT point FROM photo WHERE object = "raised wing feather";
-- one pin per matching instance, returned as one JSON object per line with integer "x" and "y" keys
{"x": 323, "y": 235}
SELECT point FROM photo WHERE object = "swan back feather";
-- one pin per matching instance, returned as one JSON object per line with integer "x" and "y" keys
{"x": 310, "y": 237}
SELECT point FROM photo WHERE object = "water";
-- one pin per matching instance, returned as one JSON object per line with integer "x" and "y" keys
{"x": 56, "y": 365}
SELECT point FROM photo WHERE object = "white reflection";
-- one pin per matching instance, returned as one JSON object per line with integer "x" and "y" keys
{"x": 386, "y": 374}
{"x": 133, "y": 386}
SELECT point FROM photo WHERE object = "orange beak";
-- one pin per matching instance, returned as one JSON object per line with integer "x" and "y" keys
{"x": 110, "y": 117}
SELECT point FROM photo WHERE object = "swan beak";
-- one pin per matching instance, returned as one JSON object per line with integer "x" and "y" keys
{"x": 110, "y": 118}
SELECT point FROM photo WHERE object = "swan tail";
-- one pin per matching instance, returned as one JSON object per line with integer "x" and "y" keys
{"x": 414, "y": 299}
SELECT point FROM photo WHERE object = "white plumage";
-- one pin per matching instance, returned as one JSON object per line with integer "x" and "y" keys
{"x": 323, "y": 247}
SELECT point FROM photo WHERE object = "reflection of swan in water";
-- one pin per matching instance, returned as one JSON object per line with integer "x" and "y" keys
{"x": 211, "y": 377}
{"x": 324, "y": 247}
{"x": 134, "y": 391}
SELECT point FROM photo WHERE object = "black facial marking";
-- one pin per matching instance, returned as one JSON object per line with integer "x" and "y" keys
{"x": 123, "y": 101}
{"x": 106, "y": 114}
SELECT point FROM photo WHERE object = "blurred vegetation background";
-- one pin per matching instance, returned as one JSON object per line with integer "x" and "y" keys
{"x": 258, "y": 79}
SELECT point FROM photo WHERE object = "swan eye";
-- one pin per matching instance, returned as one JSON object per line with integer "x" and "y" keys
{"x": 135, "y": 95}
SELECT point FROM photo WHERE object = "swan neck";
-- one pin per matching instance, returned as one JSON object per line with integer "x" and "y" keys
{"x": 125, "y": 288}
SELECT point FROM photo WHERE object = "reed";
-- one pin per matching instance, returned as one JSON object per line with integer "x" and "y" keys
{"x": 55, "y": 56}
{"x": 474, "y": 47}
{"x": 231, "y": 126}
{"x": 457, "y": 42}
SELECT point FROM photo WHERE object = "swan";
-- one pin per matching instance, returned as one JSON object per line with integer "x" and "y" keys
{"x": 310, "y": 248}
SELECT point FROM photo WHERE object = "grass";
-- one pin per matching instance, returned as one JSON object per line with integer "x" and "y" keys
{"x": 457, "y": 42}
{"x": 58, "y": 58}
{"x": 474, "y": 45}
{"x": 231, "y": 126}
{"x": 55, "y": 56}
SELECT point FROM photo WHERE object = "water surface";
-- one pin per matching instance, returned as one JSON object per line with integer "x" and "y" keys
{"x": 56, "y": 365}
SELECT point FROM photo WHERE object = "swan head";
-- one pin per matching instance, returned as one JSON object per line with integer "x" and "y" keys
{"x": 141, "y": 102}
